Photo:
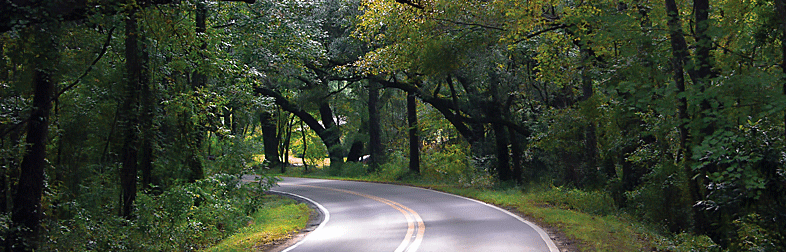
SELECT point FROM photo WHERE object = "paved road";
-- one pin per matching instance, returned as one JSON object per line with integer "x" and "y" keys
{"x": 380, "y": 217}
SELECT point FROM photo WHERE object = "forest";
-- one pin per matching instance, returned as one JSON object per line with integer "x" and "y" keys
{"x": 126, "y": 125}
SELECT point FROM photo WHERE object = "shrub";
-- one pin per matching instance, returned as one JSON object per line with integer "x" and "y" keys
{"x": 447, "y": 164}
{"x": 592, "y": 202}
{"x": 183, "y": 218}
{"x": 396, "y": 168}
{"x": 353, "y": 169}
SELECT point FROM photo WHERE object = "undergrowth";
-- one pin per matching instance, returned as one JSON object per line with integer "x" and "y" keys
{"x": 188, "y": 217}
{"x": 275, "y": 221}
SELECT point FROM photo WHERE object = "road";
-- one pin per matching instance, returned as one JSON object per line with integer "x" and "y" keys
{"x": 362, "y": 216}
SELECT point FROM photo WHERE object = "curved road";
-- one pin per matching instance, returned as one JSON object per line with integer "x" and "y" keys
{"x": 362, "y": 216}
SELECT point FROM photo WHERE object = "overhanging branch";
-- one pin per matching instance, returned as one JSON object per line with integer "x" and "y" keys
{"x": 410, "y": 3}
{"x": 538, "y": 33}
{"x": 90, "y": 67}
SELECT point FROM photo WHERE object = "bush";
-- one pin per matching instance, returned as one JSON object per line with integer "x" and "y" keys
{"x": 448, "y": 164}
{"x": 685, "y": 242}
{"x": 353, "y": 170}
{"x": 183, "y": 218}
{"x": 235, "y": 157}
{"x": 661, "y": 200}
{"x": 396, "y": 168}
{"x": 591, "y": 202}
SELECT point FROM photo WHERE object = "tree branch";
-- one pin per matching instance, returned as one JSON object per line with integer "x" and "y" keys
{"x": 470, "y": 24}
{"x": 410, "y": 3}
{"x": 537, "y": 33}
{"x": 285, "y": 104}
{"x": 90, "y": 67}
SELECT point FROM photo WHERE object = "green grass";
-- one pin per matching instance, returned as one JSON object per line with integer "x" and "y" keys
{"x": 276, "y": 220}
{"x": 598, "y": 230}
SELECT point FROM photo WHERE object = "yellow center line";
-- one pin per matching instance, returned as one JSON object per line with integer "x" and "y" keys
{"x": 407, "y": 244}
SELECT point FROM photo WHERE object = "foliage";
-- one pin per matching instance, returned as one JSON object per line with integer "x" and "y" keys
{"x": 184, "y": 218}
{"x": 452, "y": 164}
{"x": 234, "y": 156}
{"x": 396, "y": 167}
{"x": 276, "y": 221}
{"x": 353, "y": 170}
{"x": 594, "y": 97}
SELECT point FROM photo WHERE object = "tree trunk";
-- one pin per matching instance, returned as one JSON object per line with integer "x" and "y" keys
{"x": 287, "y": 142}
{"x": 516, "y": 152}
{"x": 355, "y": 151}
{"x": 680, "y": 54}
{"x": 705, "y": 118}
{"x": 374, "y": 128}
{"x": 503, "y": 155}
{"x": 332, "y": 138}
{"x": 199, "y": 80}
{"x": 270, "y": 140}
{"x": 414, "y": 139}
{"x": 590, "y": 140}
{"x": 26, "y": 212}
{"x": 305, "y": 145}
{"x": 147, "y": 114}
{"x": 130, "y": 120}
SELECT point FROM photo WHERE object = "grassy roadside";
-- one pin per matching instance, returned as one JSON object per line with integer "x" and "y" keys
{"x": 583, "y": 220}
{"x": 275, "y": 221}
{"x": 594, "y": 231}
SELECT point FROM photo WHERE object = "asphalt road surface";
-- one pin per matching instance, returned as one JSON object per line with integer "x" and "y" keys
{"x": 361, "y": 216}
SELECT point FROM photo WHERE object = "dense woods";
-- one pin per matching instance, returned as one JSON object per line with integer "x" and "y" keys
{"x": 125, "y": 125}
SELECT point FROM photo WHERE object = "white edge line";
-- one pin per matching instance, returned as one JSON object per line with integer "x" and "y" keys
{"x": 322, "y": 224}
{"x": 543, "y": 235}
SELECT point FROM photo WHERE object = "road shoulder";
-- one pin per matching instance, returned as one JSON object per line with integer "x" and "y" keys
{"x": 316, "y": 218}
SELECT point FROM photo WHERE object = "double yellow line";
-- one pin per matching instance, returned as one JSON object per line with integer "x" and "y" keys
{"x": 413, "y": 218}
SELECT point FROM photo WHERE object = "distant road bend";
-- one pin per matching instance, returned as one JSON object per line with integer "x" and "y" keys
{"x": 362, "y": 216}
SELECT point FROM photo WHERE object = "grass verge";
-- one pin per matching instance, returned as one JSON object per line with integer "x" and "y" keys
{"x": 275, "y": 221}
{"x": 594, "y": 231}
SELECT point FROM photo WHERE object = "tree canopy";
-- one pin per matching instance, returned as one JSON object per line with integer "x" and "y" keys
{"x": 675, "y": 108}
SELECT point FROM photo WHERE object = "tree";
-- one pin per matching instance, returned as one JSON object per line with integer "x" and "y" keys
{"x": 27, "y": 211}
{"x": 374, "y": 128}
{"x": 271, "y": 140}
{"x": 130, "y": 116}
{"x": 24, "y": 15}
{"x": 414, "y": 140}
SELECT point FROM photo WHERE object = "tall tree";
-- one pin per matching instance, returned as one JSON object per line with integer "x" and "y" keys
{"x": 590, "y": 138}
{"x": 374, "y": 129}
{"x": 270, "y": 140}
{"x": 414, "y": 138}
{"x": 129, "y": 114}
{"x": 195, "y": 133}
{"x": 704, "y": 121}
{"x": 27, "y": 212}
{"x": 680, "y": 55}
